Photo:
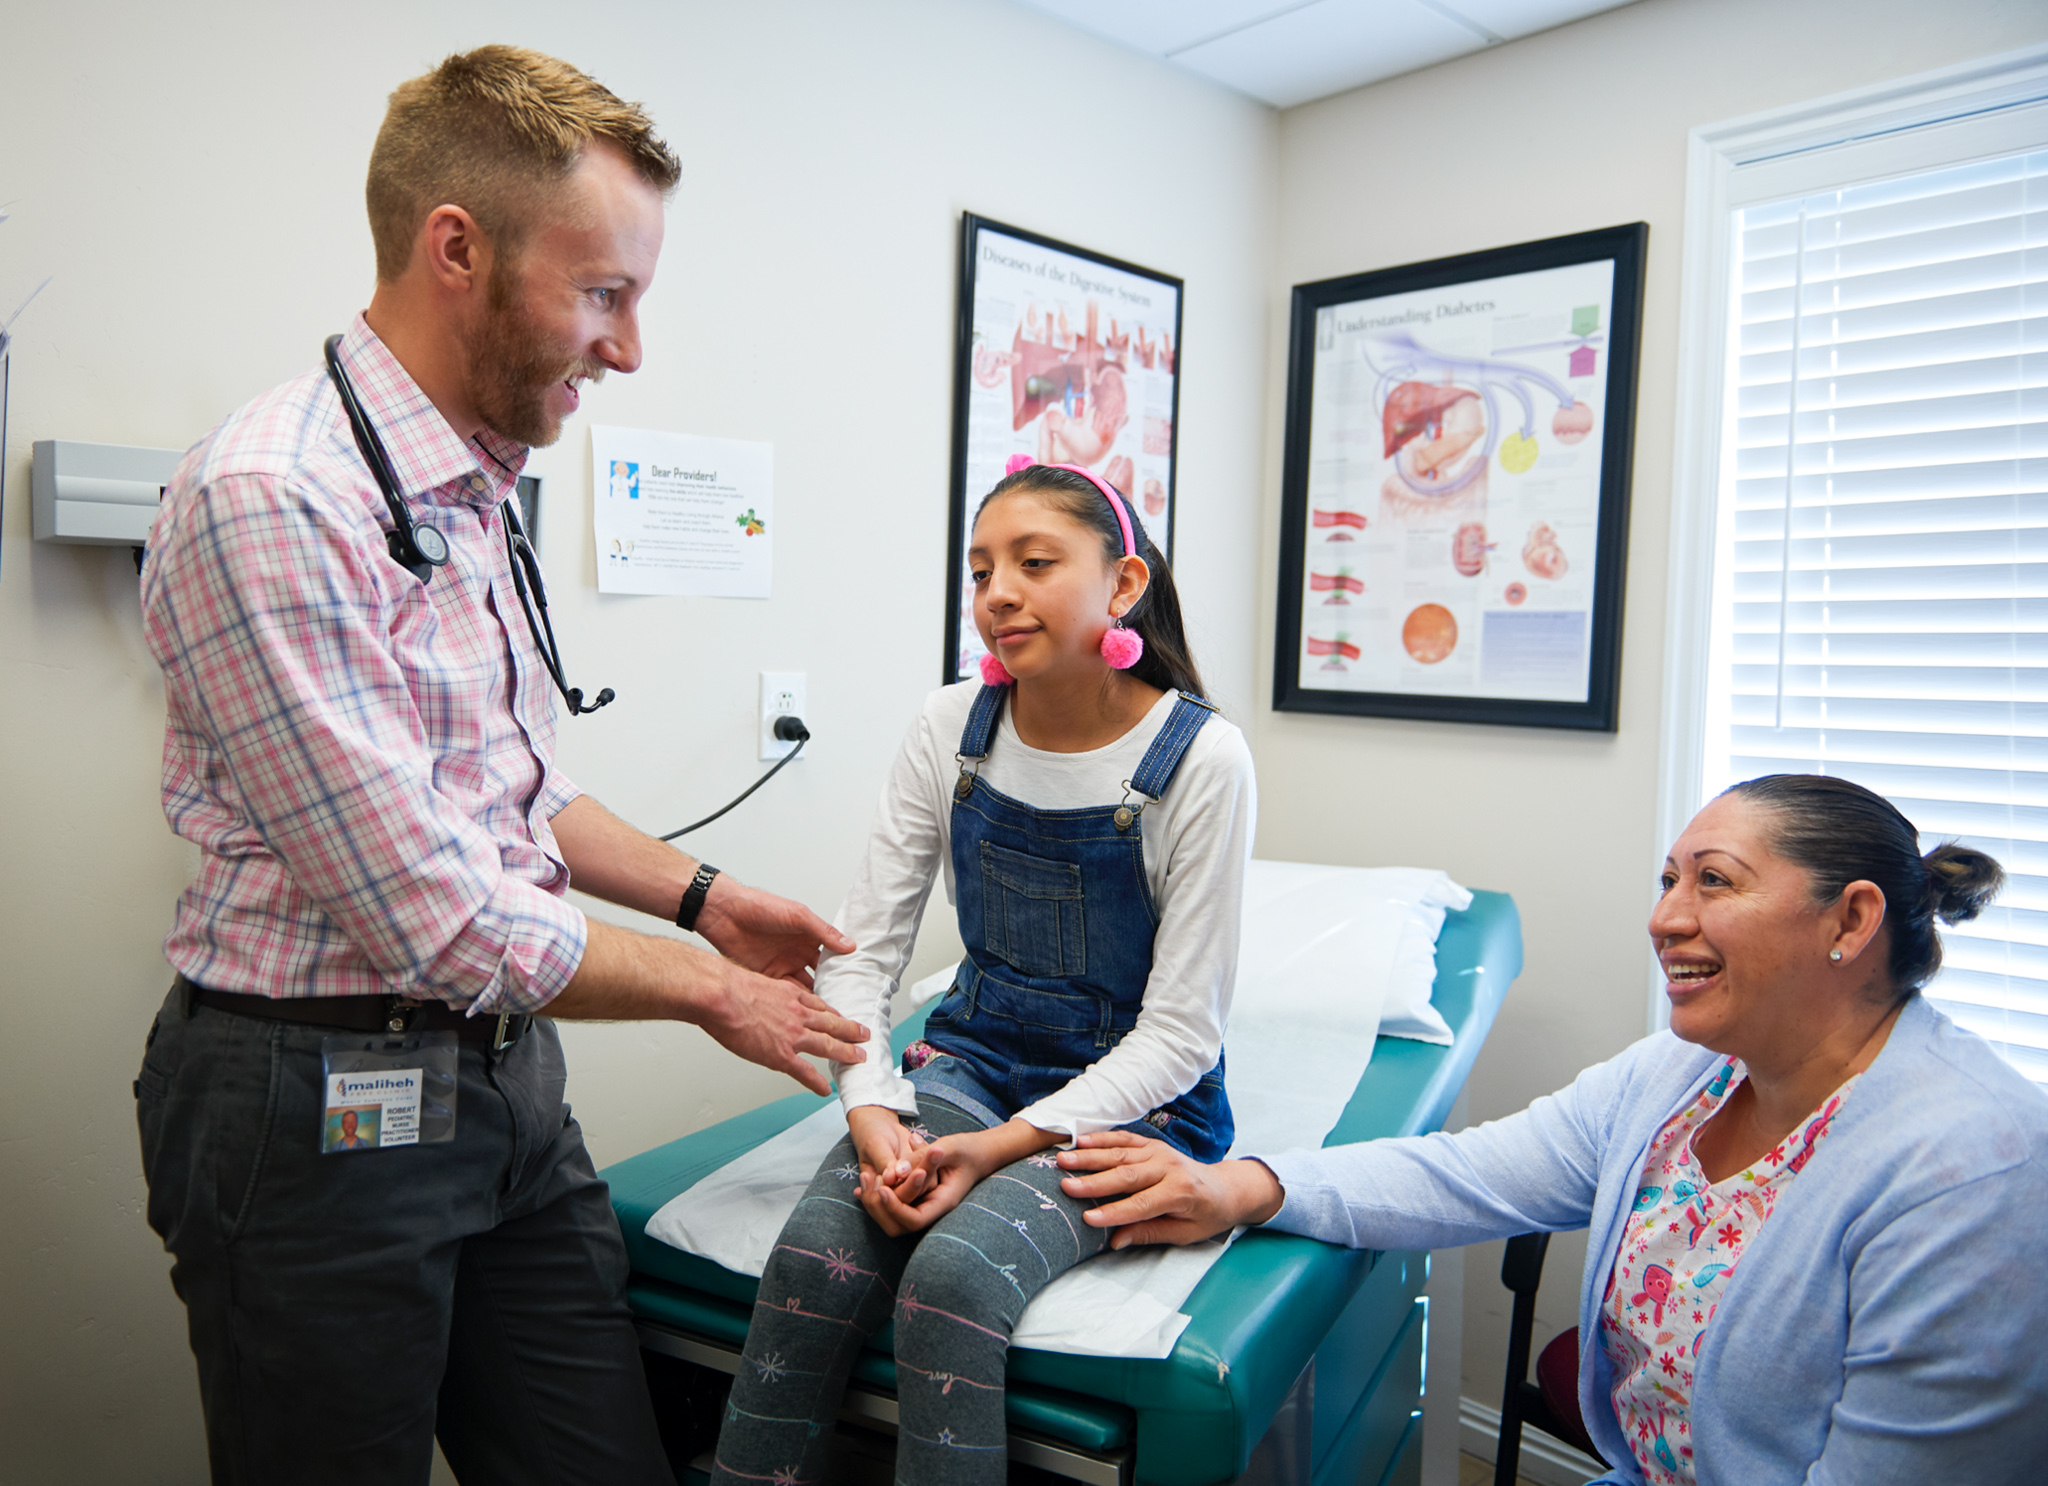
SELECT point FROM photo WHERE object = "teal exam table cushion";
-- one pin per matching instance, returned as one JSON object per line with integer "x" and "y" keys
{"x": 1255, "y": 1319}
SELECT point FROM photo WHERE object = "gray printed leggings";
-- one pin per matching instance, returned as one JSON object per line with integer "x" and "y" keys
{"x": 954, "y": 1291}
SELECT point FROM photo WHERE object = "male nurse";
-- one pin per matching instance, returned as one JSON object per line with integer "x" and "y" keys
{"x": 365, "y": 761}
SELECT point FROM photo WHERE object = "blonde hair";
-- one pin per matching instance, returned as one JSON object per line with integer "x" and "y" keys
{"x": 491, "y": 131}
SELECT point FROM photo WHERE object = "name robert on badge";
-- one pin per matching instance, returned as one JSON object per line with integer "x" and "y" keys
{"x": 368, "y": 1110}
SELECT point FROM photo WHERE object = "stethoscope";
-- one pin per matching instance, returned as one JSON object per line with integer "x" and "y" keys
{"x": 420, "y": 548}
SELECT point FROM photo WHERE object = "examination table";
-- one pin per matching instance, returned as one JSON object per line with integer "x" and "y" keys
{"x": 1301, "y": 1363}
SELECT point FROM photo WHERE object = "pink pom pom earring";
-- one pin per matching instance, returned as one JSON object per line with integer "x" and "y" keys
{"x": 994, "y": 673}
{"x": 1121, "y": 647}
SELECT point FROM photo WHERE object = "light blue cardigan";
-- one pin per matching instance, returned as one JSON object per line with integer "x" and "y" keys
{"x": 1889, "y": 1322}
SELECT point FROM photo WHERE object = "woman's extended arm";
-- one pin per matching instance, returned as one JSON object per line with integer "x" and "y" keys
{"x": 1538, "y": 1169}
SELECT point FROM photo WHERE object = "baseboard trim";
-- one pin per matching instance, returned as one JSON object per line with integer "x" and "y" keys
{"x": 1546, "y": 1461}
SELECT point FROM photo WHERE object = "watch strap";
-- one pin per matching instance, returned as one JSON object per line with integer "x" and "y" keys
{"x": 694, "y": 896}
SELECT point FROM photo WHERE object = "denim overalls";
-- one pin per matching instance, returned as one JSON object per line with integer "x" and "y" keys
{"x": 1058, "y": 921}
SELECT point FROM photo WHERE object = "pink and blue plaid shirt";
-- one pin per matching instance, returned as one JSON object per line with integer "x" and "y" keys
{"x": 365, "y": 762}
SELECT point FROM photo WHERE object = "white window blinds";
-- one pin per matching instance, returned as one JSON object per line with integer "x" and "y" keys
{"x": 1881, "y": 579}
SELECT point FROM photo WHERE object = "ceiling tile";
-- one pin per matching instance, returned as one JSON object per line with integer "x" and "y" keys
{"x": 1160, "y": 27}
{"x": 1328, "y": 47}
{"x": 1512, "y": 18}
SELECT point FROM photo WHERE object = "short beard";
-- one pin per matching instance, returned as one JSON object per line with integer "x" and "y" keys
{"x": 513, "y": 366}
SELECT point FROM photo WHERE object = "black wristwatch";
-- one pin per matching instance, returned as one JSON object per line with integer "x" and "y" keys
{"x": 694, "y": 896}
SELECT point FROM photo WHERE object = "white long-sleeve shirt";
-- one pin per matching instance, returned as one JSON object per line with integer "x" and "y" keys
{"x": 1197, "y": 840}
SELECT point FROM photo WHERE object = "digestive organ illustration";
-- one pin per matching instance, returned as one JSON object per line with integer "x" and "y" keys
{"x": 1440, "y": 415}
{"x": 1571, "y": 425}
{"x": 1515, "y": 594}
{"x": 1469, "y": 548}
{"x": 1541, "y": 555}
{"x": 1119, "y": 472}
{"x": 989, "y": 363}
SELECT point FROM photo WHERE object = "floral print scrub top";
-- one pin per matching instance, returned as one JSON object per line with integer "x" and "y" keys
{"x": 1682, "y": 1243}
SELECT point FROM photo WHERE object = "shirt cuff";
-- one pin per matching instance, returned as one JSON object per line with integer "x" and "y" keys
{"x": 543, "y": 939}
{"x": 557, "y": 795}
{"x": 873, "y": 1082}
{"x": 1296, "y": 1171}
{"x": 1046, "y": 1115}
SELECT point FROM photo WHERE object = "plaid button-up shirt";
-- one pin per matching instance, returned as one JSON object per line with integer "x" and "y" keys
{"x": 365, "y": 762}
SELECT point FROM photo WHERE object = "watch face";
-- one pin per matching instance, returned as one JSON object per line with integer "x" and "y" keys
{"x": 432, "y": 545}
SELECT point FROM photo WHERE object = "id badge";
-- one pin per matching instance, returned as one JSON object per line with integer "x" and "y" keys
{"x": 385, "y": 1091}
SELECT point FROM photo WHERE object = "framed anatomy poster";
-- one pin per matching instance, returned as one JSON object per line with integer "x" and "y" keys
{"x": 1066, "y": 356}
{"x": 1454, "y": 517}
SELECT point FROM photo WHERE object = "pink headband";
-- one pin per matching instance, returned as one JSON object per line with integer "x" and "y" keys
{"x": 1116, "y": 504}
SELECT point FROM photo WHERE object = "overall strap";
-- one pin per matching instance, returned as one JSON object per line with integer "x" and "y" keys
{"x": 1162, "y": 759}
{"x": 977, "y": 736}
{"x": 981, "y": 722}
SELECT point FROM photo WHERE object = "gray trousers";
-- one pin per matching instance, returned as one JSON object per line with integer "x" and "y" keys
{"x": 955, "y": 1293}
{"x": 346, "y": 1309}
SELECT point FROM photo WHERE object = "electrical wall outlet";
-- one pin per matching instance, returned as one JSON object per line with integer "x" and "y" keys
{"x": 782, "y": 695}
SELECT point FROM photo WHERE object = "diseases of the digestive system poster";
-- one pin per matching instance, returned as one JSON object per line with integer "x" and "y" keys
{"x": 1454, "y": 487}
{"x": 1068, "y": 358}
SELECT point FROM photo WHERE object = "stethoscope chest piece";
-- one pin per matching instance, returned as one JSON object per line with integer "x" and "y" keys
{"x": 431, "y": 544}
{"x": 419, "y": 549}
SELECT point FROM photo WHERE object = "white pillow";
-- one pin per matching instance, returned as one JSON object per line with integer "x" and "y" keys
{"x": 1365, "y": 930}
{"x": 1362, "y": 928}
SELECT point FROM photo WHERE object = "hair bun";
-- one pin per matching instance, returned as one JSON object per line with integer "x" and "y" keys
{"x": 1961, "y": 882}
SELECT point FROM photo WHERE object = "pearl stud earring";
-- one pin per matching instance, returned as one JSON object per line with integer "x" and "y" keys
{"x": 1835, "y": 955}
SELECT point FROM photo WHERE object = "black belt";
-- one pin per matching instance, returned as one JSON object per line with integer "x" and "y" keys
{"x": 367, "y": 1014}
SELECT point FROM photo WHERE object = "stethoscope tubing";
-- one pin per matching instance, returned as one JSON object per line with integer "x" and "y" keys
{"x": 421, "y": 558}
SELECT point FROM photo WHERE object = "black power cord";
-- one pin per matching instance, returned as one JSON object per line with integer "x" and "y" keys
{"x": 788, "y": 730}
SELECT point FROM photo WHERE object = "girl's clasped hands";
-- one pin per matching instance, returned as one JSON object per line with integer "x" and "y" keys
{"x": 907, "y": 1183}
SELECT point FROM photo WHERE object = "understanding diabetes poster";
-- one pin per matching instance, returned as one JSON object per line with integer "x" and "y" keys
{"x": 1454, "y": 484}
{"x": 1071, "y": 359}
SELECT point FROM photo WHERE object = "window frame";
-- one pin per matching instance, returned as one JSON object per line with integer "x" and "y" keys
{"x": 1996, "y": 105}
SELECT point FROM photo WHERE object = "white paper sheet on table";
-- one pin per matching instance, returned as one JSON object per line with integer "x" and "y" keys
{"x": 1319, "y": 948}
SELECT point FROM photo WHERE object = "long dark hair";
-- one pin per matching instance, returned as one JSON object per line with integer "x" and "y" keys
{"x": 1842, "y": 833}
{"x": 1167, "y": 662}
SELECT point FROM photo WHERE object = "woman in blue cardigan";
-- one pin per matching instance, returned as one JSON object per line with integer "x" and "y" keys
{"x": 1816, "y": 1204}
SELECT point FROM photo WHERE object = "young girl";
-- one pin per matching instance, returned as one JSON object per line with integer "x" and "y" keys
{"x": 1092, "y": 816}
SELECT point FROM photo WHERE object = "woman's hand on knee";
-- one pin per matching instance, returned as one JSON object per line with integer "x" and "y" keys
{"x": 1164, "y": 1195}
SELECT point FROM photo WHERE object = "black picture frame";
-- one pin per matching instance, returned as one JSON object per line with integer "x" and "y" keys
{"x": 1145, "y": 366}
{"x": 1598, "y": 628}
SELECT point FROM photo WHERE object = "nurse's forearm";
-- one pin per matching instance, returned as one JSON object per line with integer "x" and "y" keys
{"x": 625, "y": 976}
{"x": 620, "y": 863}
{"x": 776, "y": 1023}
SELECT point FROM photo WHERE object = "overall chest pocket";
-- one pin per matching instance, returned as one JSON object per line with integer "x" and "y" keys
{"x": 1033, "y": 912}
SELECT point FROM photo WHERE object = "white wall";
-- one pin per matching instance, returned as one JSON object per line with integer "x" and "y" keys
{"x": 195, "y": 185}
{"x": 193, "y": 176}
{"x": 1576, "y": 128}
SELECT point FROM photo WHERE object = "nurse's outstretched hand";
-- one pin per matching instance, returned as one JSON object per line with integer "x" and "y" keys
{"x": 772, "y": 935}
{"x": 1165, "y": 1196}
{"x": 781, "y": 1024}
